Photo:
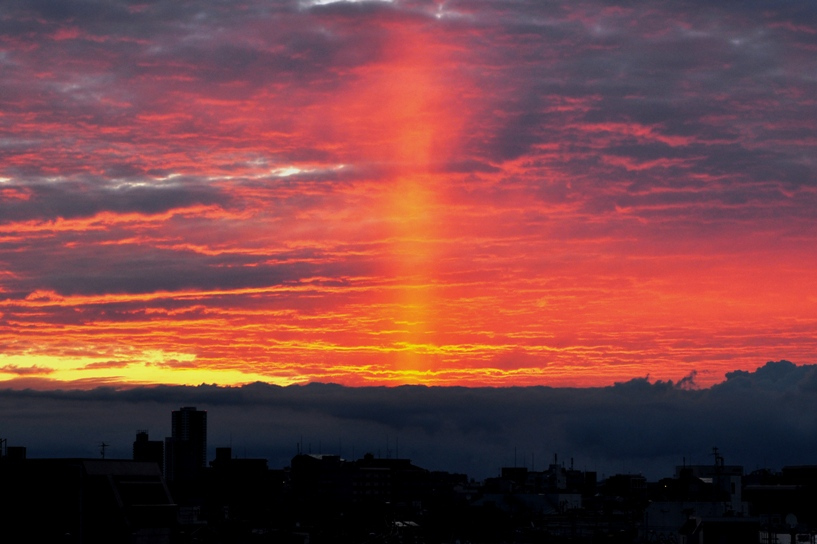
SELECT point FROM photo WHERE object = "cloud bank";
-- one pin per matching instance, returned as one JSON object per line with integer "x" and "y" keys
{"x": 763, "y": 418}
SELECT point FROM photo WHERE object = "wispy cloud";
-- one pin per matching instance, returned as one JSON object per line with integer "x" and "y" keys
{"x": 407, "y": 191}
{"x": 32, "y": 370}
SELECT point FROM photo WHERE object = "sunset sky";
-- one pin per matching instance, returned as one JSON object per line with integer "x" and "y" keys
{"x": 480, "y": 193}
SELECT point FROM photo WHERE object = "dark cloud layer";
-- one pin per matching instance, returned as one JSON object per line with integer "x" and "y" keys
{"x": 764, "y": 418}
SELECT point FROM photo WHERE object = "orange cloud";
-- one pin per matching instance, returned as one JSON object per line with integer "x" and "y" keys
{"x": 495, "y": 194}
{"x": 25, "y": 370}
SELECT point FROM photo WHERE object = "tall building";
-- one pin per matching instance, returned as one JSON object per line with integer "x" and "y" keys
{"x": 146, "y": 450}
{"x": 186, "y": 448}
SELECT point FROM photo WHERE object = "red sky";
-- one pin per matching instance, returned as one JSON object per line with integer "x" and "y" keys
{"x": 447, "y": 193}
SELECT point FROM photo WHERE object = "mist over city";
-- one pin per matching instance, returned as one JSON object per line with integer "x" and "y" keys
{"x": 758, "y": 419}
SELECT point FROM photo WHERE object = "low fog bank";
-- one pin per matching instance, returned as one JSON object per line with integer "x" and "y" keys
{"x": 765, "y": 418}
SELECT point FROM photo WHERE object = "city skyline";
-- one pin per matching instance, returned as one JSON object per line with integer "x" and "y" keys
{"x": 760, "y": 419}
{"x": 325, "y": 498}
{"x": 569, "y": 194}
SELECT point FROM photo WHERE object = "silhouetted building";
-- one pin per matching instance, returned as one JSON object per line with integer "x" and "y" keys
{"x": 786, "y": 502}
{"x": 186, "y": 448}
{"x": 721, "y": 530}
{"x": 725, "y": 479}
{"x": 84, "y": 500}
{"x": 16, "y": 452}
{"x": 368, "y": 480}
{"x": 241, "y": 490}
{"x": 517, "y": 475}
{"x": 702, "y": 504}
{"x": 148, "y": 451}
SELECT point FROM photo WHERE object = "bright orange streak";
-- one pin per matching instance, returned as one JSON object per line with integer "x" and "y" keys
{"x": 403, "y": 107}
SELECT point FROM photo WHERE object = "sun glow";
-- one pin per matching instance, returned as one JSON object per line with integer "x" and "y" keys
{"x": 129, "y": 368}
{"x": 407, "y": 100}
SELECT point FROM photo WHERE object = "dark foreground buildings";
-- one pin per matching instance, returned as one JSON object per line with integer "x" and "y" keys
{"x": 323, "y": 498}
{"x": 84, "y": 500}
{"x": 148, "y": 451}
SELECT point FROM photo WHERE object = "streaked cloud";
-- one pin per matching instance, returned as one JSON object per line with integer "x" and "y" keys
{"x": 32, "y": 370}
{"x": 387, "y": 192}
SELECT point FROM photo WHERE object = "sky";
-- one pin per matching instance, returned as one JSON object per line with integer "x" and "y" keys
{"x": 441, "y": 193}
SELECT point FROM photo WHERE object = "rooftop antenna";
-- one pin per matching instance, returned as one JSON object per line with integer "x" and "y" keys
{"x": 718, "y": 458}
{"x": 102, "y": 447}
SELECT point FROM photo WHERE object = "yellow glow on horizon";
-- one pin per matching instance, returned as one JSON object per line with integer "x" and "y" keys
{"x": 151, "y": 367}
